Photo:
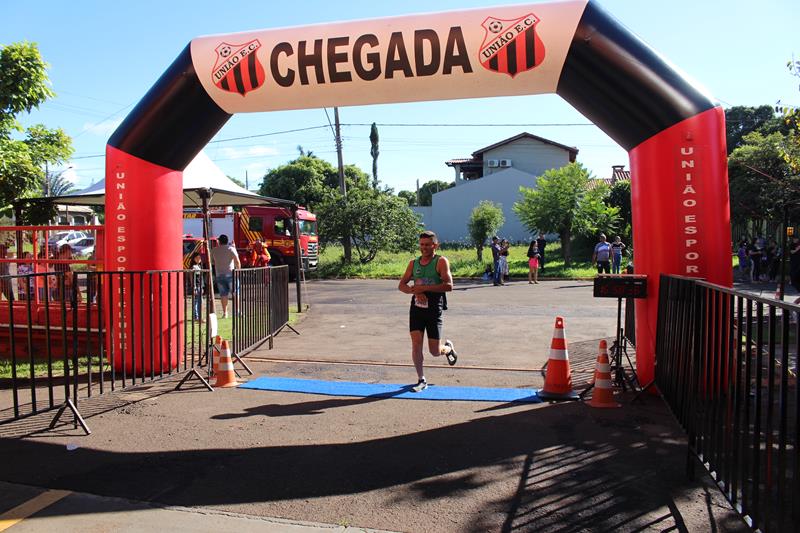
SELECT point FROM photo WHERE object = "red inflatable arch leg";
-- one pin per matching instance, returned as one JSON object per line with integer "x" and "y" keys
{"x": 681, "y": 215}
{"x": 143, "y": 225}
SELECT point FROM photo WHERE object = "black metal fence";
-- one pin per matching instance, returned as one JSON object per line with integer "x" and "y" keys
{"x": 727, "y": 366}
{"x": 67, "y": 336}
{"x": 260, "y": 307}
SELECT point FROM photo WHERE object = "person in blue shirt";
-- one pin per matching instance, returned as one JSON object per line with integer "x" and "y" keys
{"x": 602, "y": 255}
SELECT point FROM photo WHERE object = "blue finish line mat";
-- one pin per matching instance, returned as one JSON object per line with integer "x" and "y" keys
{"x": 392, "y": 390}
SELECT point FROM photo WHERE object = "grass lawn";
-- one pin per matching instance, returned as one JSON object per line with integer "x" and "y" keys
{"x": 463, "y": 263}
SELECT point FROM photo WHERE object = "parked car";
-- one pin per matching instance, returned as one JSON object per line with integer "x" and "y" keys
{"x": 83, "y": 247}
{"x": 67, "y": 237}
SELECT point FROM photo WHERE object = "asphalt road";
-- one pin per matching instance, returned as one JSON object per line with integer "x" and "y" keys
{"x": 389, "y": 464}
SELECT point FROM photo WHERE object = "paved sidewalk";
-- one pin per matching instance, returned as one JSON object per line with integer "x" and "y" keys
{"x": 35, "y": 510}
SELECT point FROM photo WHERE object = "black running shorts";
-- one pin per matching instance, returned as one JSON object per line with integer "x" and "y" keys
{"x": 427, "y": 320}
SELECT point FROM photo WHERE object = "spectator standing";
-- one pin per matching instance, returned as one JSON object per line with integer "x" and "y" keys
{"x": 773, "y": 260}
{"x": 504, "y": 246}
{"x": 25, "y": 269}
{"x": 534, "y": 257}
{"x": 225, "y": 260}
{"x": 617, "y": 248}
{"x": 541, "y": 242}
{"x": 261, "y": 254}
{"x": 602, "y": 255}
{"x": 744, "y": 259}
{"x": 197, "y": 285}
{"x": 496, "y": 259}
{"x": 756, "y": 253}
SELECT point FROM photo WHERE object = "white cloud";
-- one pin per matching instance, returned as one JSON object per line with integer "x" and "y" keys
{"x": 71, "y": 175}
{"x": 248, "y": 151}
{"x": 103, "y": 129}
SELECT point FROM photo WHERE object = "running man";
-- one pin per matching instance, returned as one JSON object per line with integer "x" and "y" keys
{"x": 432, "y": 279}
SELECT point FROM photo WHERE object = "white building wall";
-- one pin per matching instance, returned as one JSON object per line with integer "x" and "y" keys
{"x": 526, "y": 155}
{"x": 426, "y": 213}
{"x": 452, "y": 208}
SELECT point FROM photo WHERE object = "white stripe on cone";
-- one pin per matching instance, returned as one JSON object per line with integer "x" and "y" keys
{"x": 602, "y": 383}
{"x": 558, "y": 355}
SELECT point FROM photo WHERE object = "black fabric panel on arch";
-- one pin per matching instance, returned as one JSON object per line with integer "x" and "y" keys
{"x": 174, "y": 120}
{"x": 621, "y": 84}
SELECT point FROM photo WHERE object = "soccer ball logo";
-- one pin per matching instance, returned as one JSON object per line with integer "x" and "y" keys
{"x": 495, "y": 26}
{"x": 225, "y": 51}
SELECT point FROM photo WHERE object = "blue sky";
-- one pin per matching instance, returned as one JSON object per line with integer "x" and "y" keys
{"x": 104, "y": 56}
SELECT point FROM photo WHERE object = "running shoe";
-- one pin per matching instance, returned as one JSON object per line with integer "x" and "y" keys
{"x": 420, "y": 386}
{"x": 452, "y": 356}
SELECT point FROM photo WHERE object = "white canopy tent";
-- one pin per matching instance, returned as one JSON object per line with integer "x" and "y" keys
{"x": 204, "y": 186}
{"x": 199, "y": 178}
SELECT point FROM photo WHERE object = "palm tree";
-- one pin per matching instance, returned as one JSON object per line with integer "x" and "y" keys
{"x": 55, "y": 184}
{"x": 374, "y": 152}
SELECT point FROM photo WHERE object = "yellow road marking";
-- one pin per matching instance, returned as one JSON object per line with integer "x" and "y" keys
{"x": 32, "y": 506}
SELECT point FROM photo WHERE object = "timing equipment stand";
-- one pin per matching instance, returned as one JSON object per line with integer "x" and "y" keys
{"x": 620, "y": 286}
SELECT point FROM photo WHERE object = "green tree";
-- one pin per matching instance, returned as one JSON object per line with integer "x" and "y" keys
{"x": 741, "y": 120}
{"x": 314, "y": 183}
{"x": 303, "y": 180}
{"x": 791, "y": 118}
{"x": 759, "y": 177}
{"x": 428, "y": 189}
{"x": 23, "y": 86}
{"x": 619, "y": 196}
{"x": 485, "y": 219}
{"x": 374, "y": 219}
{"x": 374, "y": 152}
{"x": 564, "y": 203}
{"x": 409, "y": 196}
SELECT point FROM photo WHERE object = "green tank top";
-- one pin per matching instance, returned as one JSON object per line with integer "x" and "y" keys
{"x": 427, "y": 275}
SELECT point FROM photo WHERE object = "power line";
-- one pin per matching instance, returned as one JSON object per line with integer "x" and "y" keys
{"x": 383, "y": 124}
{"x": 267, "y": 134}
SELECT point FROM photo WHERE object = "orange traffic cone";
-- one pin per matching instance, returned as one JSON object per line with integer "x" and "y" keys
{"x": 217, "y": 349}
{"x": 603, "y": 393}
{"x": 226, "y": 377}
{"x": 558, "y": 380}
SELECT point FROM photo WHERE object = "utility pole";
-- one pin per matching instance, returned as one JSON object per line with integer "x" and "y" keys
{"x": 348, "y": 252}
{"x": 246, "y": 181}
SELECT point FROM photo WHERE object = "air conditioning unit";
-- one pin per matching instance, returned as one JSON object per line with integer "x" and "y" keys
{"x": 493, "y": 163}
{"x": 505, "y": 163}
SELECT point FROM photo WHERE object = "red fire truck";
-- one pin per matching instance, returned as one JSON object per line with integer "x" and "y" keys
{"x": 273, "y": 226}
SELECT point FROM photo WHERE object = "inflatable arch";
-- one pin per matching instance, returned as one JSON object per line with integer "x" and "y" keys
{"x": 674, "y": 131}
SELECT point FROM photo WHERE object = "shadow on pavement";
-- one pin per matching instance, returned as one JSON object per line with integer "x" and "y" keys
{"x": 566, "y": 482}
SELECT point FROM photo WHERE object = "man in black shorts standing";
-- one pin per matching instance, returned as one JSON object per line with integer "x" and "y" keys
{"x": 432, "y": 279}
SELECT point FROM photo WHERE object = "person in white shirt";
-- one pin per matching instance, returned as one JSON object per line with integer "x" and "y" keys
{"x": 225, "y": 260}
